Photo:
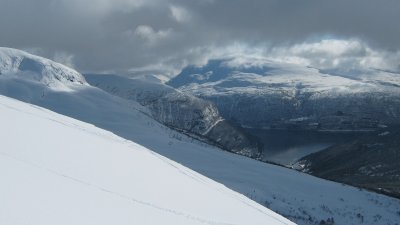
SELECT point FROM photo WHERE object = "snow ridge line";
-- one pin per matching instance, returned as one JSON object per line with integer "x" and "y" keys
{"x": 66, "y": 123}
{"x": 125, "y": 197}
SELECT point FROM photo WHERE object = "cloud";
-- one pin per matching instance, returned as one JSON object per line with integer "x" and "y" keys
{"x": 180, "y": 14}
{"x": 338, "y": 54}
{"x": 124, "y": 35}
{"x": 148, "y": 34}
{"x": 341, "y": 55}
{"x": 64, "y": 58}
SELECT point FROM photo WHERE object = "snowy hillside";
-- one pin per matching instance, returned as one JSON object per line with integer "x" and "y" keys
{"x": 180, "y": 111}
{"x": 30, "y": 67}
{"x": 300, "y": 197}
{"x": 265, "y": 94}
{"x": 57, "y": 170}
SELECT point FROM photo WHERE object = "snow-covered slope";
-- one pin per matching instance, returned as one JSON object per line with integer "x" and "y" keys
{"x": 167, "y": 104}
{"x": 299, "y": 197}
{"x": 178, "y": 110}
{"x": 30, "y": 67}
{"x": 276, "y": 95}
{"x": 57, "y": 170}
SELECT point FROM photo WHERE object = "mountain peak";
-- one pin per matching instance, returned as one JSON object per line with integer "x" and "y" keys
{"x": 22, "y": 65}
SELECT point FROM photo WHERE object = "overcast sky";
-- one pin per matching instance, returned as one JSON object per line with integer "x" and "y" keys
{"x": 164, "y": 35}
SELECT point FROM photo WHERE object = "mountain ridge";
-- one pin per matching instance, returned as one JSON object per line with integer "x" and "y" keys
{"x": 287, "y": 96}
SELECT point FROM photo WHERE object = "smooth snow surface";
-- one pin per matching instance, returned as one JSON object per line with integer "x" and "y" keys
{"x": 299, "y": 197}
{"x": 57, "y": 170}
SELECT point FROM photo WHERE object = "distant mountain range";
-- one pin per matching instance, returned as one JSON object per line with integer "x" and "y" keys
{"x": 270, "y": 95}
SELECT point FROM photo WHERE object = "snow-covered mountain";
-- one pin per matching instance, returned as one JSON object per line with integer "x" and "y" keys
{"x": 178, "y": 110}
{"x": 302, "y": 198}
{"x": 57, "y": 170}
{"x": 37, "y": 69}
{"x": 265, "y": 94}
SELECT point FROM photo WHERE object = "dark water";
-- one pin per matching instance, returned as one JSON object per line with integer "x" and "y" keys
{"x": 285, "y": 147}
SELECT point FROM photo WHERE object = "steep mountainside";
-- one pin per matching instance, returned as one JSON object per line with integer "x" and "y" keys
{"x": 302, "y": 198}
{"x": 275, "y": 95}
{"x": 178, "y": 110}
{"x": 57, "y": 170}
{"x": 372, "y": 162}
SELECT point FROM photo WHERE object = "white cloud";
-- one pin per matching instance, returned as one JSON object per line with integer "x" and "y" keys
{"x": 64, "y": 58}
{"x": 344, "y": 54}
{"x": 179, "y": 14}
{"x": 151, "y": 36}
{"x": 330, "y": 47}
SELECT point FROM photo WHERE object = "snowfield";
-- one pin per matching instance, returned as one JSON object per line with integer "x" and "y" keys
{"x": 57, "y": 170}
{"x": 109, "y": 172}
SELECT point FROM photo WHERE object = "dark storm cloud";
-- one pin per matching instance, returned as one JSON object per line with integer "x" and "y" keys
{"x": 118, "y": 35}
{"x": 290, "y": 20}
